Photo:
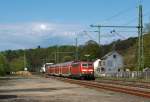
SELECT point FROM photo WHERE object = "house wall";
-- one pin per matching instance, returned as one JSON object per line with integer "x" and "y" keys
{"x": 112, "y": 63}
{"x": 97, "y": 67}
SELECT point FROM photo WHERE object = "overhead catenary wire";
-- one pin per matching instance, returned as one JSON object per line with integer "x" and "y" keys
{"x": 119, "y": 14}
{"x": 116, "y": 33}
{"x": 134, "y": 19}
{"x": 86, "y": 32}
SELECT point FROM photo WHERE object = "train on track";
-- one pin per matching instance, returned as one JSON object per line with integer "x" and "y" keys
{"x": 73, "y": 69}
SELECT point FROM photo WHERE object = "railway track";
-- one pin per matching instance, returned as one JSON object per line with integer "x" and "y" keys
{"x": 126, "y": 83}
{"x": 106, "y": 86}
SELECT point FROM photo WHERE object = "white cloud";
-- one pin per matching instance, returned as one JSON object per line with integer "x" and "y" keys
{"x": 28, "y": 35}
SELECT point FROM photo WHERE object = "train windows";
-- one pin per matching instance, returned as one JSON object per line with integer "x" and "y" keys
{"x": 87, "y": 65}
{"x": 84, "y": 65}
{"x": 90, "y": 64}
{"x": 75, "y": 64}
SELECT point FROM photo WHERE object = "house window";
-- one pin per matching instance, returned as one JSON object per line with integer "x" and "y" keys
{"x": 103, "y": 63}
{"x": 100, "y": 63}
{"x": 98, "y": 69}
{"x": 103, "y": 69}
{"x": 109, "y": 63}
{"x": 114, "y": 56}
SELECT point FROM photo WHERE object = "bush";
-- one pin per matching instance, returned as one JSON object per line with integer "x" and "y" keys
{"x": 17, "y": 64}
{"x": 3, "y": 65}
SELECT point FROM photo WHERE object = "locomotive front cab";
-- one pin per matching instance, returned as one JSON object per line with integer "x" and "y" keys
{"x": 87, "y": 70}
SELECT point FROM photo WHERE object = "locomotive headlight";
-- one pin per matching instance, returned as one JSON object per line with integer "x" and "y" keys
{"x": 91, "y": 70}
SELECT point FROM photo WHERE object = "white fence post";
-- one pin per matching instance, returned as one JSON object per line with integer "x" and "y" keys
{"x": 128, "y": 75}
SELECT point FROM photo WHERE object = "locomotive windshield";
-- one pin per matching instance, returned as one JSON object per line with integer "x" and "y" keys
{"x": 86, "y": 65}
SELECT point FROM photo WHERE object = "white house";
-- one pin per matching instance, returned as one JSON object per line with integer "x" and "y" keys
{"x": 97, "y": 68}
{"x": 110, "y": 63}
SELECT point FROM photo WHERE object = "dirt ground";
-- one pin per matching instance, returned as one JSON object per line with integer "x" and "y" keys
{"x": 39, "y": 89}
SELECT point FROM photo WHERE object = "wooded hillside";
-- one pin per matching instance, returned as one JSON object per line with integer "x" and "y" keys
{"x": 14, "y": 60}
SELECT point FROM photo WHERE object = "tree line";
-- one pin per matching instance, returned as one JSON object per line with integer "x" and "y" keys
{"x": 33, "y": 59}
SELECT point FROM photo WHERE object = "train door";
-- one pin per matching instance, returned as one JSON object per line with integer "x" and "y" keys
{"x": 75, "y": 69}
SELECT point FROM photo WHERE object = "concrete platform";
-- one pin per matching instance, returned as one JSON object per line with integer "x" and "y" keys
{"x": 38, "y": 89}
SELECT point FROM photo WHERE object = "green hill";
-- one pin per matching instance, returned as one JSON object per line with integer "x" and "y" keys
{"x": 131, "y": 51}
{"x": 36, "y": 57}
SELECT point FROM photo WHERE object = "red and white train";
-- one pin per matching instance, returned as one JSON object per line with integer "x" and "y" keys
{"x": 81, "y": 69}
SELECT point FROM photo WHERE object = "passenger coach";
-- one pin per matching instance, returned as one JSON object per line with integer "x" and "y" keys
{"x": 81, "y": 69}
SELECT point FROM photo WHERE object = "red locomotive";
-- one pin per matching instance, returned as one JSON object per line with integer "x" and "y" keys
{"x": 81, "y": 69}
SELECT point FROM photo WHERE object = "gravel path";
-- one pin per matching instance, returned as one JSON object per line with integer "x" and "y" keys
{"x": 38, "y": 89}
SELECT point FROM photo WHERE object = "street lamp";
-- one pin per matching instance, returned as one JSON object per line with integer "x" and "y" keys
{"x": 87, "y": 56}
{"x": 25, "y": 61}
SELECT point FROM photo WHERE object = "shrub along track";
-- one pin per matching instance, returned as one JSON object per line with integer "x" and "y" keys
{"x": 117, "y": 88}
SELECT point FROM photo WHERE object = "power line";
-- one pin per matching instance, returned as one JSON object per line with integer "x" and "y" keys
{"x": 113, "y": 31}
{"x": 113, "y": 26}
{"x": 133, "y": 20}
{"x": 118, "y": 14}
{"x": 86, "y": 32}
{"x": 125, "y": 31}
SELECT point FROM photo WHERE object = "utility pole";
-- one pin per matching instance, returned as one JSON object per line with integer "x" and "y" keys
{"x": 99, "y": 36}
{"x": 87, "y": 56}
{"x": 140, "y": 36}
{"x": 57, "y": 54}
{"x": 24, "y": 60}
{"x": 99, "y": 27}
{"x": 140, "y": 39}
{"x": 25, "y": 67}
{"x": 55, "y": 57}
{"x": 103, "y": 26}
{"x": 76, "y": 53}
{"x": 99, "y": 42}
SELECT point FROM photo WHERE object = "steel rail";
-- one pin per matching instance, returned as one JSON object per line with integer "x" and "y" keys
{"x": 127, "y": 90}
{"x": 126, "y": 83}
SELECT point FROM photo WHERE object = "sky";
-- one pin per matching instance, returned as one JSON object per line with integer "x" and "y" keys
{"x": 30, "y": 23}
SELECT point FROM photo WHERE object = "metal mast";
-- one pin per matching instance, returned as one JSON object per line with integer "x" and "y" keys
{"x": 99, "y": 28}
{"x": 140, "y": 39}
{"x": 140, "y": 36}
{"x": 76, "y": 53}
{"x": 24, "y": 57}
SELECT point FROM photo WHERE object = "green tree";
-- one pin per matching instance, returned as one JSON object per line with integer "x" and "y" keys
{"x": 17, "y": 64}
{"x": 68, "y": 58}
{"x": 3, "y": 65}
{"x": 91, "y": 48}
